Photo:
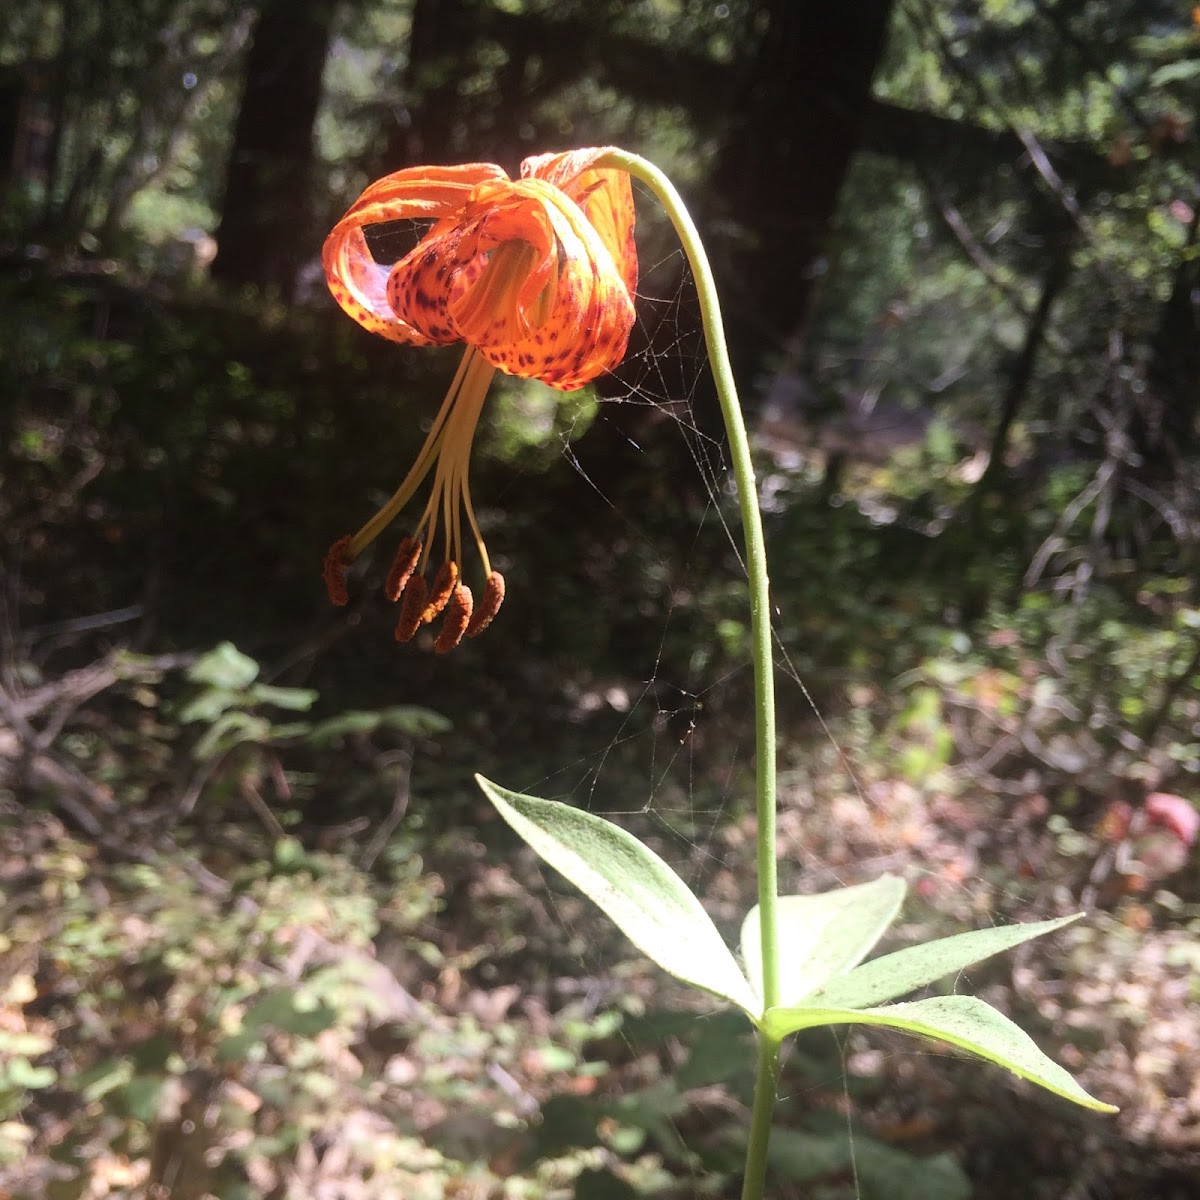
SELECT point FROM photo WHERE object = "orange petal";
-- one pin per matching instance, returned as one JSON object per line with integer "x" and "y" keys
{"x": 523, "y": 276}
{"x": 605, "y": 195}
{"x": 582, "y": 323}
{"x": 440, "y": 270}
{"x": 357, "y": 281}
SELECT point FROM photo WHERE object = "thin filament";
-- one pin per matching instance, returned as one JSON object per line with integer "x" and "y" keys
{"x": 448, "y": 491}
{"x": 404, "y": 493}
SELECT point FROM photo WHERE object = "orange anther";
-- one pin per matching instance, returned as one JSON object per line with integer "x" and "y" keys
{"x": 458, "y": 616}
{"x": 403, "y": 565}
{"x": 489, "y": 605}
{"x": 337, "y": 563}
{"x": 411, "y": 609}
{"x": 444, "y": 583}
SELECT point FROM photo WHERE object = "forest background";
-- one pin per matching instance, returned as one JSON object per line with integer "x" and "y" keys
{"x": 260, "y": 936}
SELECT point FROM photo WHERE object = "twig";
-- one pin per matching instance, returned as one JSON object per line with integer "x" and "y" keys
{"x": 1171, "y": 690}
{"x": 399, "y": 807}
{"x": 983, "y": 262}
{"x": 263, "y": 810}
{"x": 1057, "y": 539}
{"x": 117, "y": 616}
{"x": 1036, "y": 332}
{"x": 1178, "y": 524}
{"x": 1045, "y": 169}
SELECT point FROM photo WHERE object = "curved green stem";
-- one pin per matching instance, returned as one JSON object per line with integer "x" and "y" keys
{"x": 760, "y": 632}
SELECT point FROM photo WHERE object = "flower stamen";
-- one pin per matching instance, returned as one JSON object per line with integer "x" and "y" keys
{"x": 428, "y": 455}
{"x": 489, "y": 605}
{"x": 408, "y": 554}
{"x": 451, "y": 492}
{"x": 458, "y": 617}
{"x": 337, "y": 563}
{"x": 446, "y": 452}
{"x": 412, "y": 609}
{"x": 444, "y": 583}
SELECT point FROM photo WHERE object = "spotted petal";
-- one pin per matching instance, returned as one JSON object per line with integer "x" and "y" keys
{"x": 357, "y": 281}
{"x": 605, "y": 197}
{"x": 522, "y": 275}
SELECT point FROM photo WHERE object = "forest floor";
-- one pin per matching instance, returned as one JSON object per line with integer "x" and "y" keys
{"x": 457, "y": 1025}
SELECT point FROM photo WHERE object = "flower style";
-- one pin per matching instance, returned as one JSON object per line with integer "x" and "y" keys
{"x": 536, "y": 276}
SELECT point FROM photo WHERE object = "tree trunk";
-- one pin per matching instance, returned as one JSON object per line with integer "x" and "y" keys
{"x": 437, "y": 52}
{"x": 1060, "y": 244}
{"x": 1169, "y": 431}
{"x": 266, "y": 230}
{"x": 61, "y": 81}
{"x": 784, "y": 160}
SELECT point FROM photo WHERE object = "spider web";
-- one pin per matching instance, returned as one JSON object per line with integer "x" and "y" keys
{"x": 682, "y": 814}
{"x": 672, "y": 350}
{"x": 688, "y": 810}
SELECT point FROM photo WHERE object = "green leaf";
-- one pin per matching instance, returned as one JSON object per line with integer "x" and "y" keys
{"x": 293, "y": 699}
{"x": 893, "y": 975}
{"x": 290, "y": 730}
{"x": 803, "y": 1157}
{"x": 414, "y": 720}
{"x": 823, "y": 935}
{"x": 882, "y": 1172}
{"x": 230, "y": 730}
{"x": 345, "y": 724}
{"x": 143, "y": 1097}
{"x": 224, "y": 667}
{"x": 1177, "y": 72}
{"x": 237, "y": 1047}
{"x": 567, "y": 1122}
{"x": 280, "y": 1011}
{"x": 407, "y": 718}
{"x": 720, "y": 1050}
{"x": 209, "y": 705}
{"x": 151, "y": 1054}
{"x": 23, "y": 1074}
{"x": 598, "y": 1184}
{"x": 963, "y": 1021}
{"x": 289, "y": 854}
{"x": 886, "y": 1173}
{"x": 639, "y": 892}
{"x": 655, "y": 1109}
{"x": 103, "y": 1078}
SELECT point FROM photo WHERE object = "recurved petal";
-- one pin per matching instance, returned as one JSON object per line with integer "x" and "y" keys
{"x": 357, "y": 281}
{"x": 587, "y": 330}
{"x": 359, "y": 284}
{"x": 605, "y": 195}
{"x": 563, "y": 167}
{"x": 419, "y": 192}
{"x": 593, "y": 309}
{"x": 474, "y": 278}
{"x": 564, "y": 314}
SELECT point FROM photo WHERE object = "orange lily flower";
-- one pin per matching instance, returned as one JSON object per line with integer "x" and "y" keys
{"x": 536, "y": 276}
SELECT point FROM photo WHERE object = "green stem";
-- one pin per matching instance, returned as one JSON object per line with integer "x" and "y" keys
{"x": 760, "y": 632}
{"x": 765, "y": 1078}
